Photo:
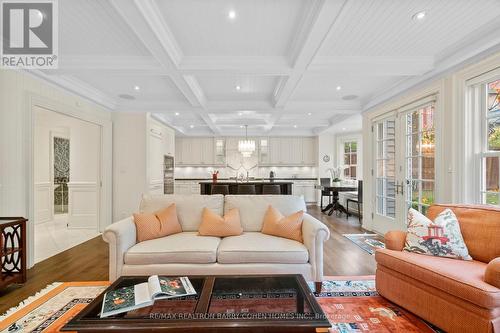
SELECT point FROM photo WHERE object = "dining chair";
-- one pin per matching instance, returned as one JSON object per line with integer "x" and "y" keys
{"x": 358, "y": 201}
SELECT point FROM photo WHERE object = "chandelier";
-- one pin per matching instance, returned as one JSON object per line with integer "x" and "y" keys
{"x": 246, "y": 147}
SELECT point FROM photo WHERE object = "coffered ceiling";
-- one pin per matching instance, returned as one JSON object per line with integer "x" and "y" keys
{"x": 280, "y": 66}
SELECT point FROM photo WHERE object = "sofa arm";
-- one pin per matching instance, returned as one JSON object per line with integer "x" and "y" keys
{"x": 395, "y": 240}
{"x": 120, "y": 236}
{"x": 492, "y": 274}
{"x": 315, "y": 234}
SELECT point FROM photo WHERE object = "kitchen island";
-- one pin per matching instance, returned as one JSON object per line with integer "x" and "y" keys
{"x": 286, "y": 186}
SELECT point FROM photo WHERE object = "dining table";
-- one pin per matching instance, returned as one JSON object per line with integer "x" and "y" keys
{"x": 335, "y": 205}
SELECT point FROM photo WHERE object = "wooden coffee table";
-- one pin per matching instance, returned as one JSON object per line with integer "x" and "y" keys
{"x": 270, "y": 303}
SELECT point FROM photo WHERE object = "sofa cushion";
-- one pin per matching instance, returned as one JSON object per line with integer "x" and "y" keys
{"x": 253, "y": 207}
{"x": 275, "y": 224}
{"x": 189, "y": 207}
{"x": 255, "y": 247}
{"x": 463, "y": 279}
{"x": 182, "y": 248}
{"x": 220, "y": 226}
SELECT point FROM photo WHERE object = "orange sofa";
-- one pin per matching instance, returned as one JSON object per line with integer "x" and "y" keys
{"x": 455, "y": 295}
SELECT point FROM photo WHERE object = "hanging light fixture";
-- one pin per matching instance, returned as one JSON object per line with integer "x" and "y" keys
{"x": 246, "y": 147}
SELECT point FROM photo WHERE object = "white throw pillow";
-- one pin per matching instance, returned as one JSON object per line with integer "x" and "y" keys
{"x": 441, "y": 237}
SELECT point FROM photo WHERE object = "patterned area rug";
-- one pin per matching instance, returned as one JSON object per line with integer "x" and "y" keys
{"x": 351, "y": 304}
{"x": 368, "y": 242}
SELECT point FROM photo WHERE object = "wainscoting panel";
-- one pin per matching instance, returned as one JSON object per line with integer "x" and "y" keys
{"x": 83, "y": 205}
{"x": 44, "y": 202}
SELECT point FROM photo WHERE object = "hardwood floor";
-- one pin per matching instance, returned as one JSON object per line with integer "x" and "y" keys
{"x": 89, "y": 261}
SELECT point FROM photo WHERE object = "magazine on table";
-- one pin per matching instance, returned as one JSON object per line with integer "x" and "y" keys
{"x": 144, "y": 294}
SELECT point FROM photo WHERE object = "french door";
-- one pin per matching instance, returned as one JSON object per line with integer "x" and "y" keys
{"x": 404, "y": 164}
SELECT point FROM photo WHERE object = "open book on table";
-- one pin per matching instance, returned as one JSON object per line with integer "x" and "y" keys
{"x": 144, "y": 294}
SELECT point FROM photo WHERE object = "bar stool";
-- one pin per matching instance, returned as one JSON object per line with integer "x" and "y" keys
{"x": 220, "y": 189}
{"x": 246, "y": 189}
{"x": 271, "y": 189}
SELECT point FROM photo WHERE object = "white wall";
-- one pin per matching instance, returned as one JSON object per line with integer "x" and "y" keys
{"x": 326, "y": 146}
{"x": 452, "y": 177}
{"x": 129, "y": 162}
{"x": 18, "y": 90}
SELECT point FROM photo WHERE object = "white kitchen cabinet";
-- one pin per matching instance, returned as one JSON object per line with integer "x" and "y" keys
{"x": 187, "y": 186}
{"x": 309, "y": 151}
{"x": 305, "y": 188}
{"x": 272, "y": 151}
{"x": 160, "y": 141}
{"x": 200, "y": 151}
{"x": 288, "y": 151}
{"x": 264, "y": 153}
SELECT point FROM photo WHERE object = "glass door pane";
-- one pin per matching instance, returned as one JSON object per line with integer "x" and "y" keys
{"x": 419, "y": 156}
{"x": 385, "y": 168}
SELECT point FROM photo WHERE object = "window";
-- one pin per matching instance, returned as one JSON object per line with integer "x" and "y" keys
{"x": 490, "y": 154}
{"x": 350, "y": 159}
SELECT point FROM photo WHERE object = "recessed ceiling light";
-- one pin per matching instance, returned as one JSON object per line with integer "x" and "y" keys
{"x": 309, "y": 113}
{"x": 240, "y": 113}
{"x": 238, "y": 88}
{"x": 137, "y": 88}
{"x": 343, "y": 128}
{"x": 241, "y": 126}
{"x": 231, "y": 14}
{"x": 294, "y": 126}
{"x": 191, "y": 126}
{"x": 177, "y": 113}
{"x": 339, "y": 87}
{"x": 419, "y": 16}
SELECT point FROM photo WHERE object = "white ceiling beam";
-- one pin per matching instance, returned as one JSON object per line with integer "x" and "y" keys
{"x": 371, "y": 66}
{"x": 316, "y": 27}
{"x": 104, "y": 62}
{"x": 153, "y": 31}
{"x": 221, "y": 65}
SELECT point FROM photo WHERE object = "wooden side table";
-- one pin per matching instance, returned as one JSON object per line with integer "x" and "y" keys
{"x": 12, "y": 250}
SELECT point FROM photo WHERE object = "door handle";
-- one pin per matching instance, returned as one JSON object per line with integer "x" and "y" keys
{"x": 398, "y": 186}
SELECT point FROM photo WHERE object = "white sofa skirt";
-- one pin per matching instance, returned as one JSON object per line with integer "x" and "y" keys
{"x": 219, "y": 269}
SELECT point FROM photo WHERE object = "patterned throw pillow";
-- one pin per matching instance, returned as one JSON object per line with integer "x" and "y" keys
{"x": 441, "y": 237}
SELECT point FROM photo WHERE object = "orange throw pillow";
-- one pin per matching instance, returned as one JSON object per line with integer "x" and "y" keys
{"x": 158, "y": 224}
{"x": 216, "y": 225}
{"x": 275, "y": 224}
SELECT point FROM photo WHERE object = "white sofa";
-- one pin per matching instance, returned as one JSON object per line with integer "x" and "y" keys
{"x": 187, "y": 253}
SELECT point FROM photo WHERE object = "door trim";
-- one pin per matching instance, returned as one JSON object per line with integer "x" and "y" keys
{"x": 106, "y": 173}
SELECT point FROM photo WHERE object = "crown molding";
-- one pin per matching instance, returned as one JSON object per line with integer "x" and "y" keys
{"x": 76, "y": 87}
{"x": 478, "y": 45}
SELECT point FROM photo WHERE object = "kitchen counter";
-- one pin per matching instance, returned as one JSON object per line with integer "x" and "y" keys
{"x": 255, "y": 179}
{"x": 286, "y": 186}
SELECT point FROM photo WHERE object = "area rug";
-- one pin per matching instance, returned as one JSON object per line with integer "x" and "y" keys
{"x": 368, "y": 242}
{"x": 350, "y": 303}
